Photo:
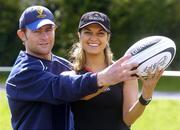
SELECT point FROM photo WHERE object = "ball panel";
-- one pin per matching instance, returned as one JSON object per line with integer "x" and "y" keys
{"x": 161, "y": 60}
{"x": 152, "y": 52}
{"x": 138, "y": 47}
{"x": 150, "y": 43}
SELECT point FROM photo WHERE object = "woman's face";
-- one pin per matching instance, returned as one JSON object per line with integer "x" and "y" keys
{"x": 93, "y": 39}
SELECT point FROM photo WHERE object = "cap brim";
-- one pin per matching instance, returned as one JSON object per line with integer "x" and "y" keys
{"x": 37, "y": 24}
{"x": 107, "y": 30}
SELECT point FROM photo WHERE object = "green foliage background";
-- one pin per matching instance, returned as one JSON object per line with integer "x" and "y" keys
{"x": 131, "y": 20}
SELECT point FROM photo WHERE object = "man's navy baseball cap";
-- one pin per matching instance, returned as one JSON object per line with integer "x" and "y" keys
{"x": 95, "y": 17}
{"x": 35, "y": 17}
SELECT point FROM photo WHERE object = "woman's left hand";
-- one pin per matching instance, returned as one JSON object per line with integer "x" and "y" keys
{"x": 150, "y": 82}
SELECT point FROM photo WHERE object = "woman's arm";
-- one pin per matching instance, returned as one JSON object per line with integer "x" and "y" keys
{"x": 132, "y": 108}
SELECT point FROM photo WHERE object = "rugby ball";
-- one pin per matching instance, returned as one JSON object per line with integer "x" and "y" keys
{"x": 151, "y": 52}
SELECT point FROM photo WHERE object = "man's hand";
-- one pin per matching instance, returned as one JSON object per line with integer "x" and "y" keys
{"x": 119, "y": 71}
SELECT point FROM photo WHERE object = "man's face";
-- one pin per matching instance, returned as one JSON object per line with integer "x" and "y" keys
{"x": 40, "y": 42}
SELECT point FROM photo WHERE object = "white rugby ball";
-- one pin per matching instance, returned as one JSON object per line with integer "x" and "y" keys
{"x": 151, "y": 52}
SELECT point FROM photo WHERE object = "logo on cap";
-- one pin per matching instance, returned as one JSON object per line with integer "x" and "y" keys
{"x": 40, "y": 13}
{"x": 96, "y": 16}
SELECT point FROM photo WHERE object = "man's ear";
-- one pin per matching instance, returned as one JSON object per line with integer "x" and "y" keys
{"x": 21, "y": 34}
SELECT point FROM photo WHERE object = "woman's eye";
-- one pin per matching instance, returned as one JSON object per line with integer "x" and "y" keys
{"x": 101, "y": 33}
{"x": 87, "y": 32}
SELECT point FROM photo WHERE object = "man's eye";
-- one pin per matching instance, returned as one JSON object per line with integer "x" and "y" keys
{"x": 37, "y": 31}
{"x": 49, "y": 29}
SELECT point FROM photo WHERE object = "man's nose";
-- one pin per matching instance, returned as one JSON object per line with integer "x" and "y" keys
{"x": 44, "y": 34}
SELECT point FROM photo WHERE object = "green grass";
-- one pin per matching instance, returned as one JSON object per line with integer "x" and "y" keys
{"x": 159, "y": 115}
{"x": 5, "y": 123}
{"x": 168, "y": 84}
{"x": 3, "y": 76}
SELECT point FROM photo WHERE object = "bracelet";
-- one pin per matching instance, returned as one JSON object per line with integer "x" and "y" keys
{"x": 143, "y": 101}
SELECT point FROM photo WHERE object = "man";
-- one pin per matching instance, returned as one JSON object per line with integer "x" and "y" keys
{"x": 38, "y": 93}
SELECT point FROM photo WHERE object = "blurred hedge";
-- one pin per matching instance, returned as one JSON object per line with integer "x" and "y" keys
{"x": 131, "y": 20}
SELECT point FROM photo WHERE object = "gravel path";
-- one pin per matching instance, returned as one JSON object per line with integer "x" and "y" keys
{"x": 167, "y": 95}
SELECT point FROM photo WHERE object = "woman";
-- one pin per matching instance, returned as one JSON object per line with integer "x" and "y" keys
{"x": 111, "y": 108}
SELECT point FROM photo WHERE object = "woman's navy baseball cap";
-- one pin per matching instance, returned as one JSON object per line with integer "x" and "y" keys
{"x": 95, "y": 17}
{"x": 35, "y": 17}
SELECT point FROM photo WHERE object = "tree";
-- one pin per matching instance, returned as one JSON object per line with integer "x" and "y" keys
{"x": 131, "y": 20}
{"x": 8, "y": 41}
